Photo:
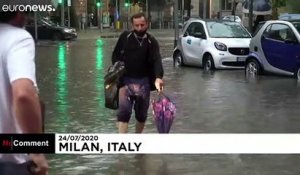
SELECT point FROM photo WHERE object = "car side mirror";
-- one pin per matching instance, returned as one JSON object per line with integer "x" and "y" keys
{"x": 185, "y": 34}
{"x": 263, "y": 36}
{"x": 199, "y": 35}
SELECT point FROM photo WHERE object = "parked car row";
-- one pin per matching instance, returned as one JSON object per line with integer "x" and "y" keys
{"x": 47, "y": 30}
{"x": 212, "y": 44}
{"x": 219, "y": 44}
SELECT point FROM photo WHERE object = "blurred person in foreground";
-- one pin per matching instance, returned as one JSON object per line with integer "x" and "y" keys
{"x": 143, "y": 72}
{"x": 20, "y": 110}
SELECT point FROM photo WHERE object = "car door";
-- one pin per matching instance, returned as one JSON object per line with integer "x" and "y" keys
{"x": 45, "y": 31}
{"x": 272, "y": 45}
{"x": 278, "y": 48}
{"x": 290, "y": 57}
{"x": 197, "y": 41}
{"x": 186, "y": 42}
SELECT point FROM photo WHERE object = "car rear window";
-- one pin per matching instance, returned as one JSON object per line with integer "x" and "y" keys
{"x": 297, "y": 26}
{"x": 226, "y": 29}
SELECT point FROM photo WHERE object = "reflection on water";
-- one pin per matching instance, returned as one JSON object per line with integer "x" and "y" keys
{"x": 62, "y": 88}
{"x": 70, "y": 77}
{"x": 99, "y": 73}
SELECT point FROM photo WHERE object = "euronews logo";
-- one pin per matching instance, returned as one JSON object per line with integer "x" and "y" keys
{"x": 26, "y": 6}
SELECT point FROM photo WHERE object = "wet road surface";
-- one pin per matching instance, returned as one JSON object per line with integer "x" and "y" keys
{"x": 70, "y": 76}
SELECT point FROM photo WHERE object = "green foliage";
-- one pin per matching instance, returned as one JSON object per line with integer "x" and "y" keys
{"x": 293, "y": 6}
{"x": 278, "y": 3}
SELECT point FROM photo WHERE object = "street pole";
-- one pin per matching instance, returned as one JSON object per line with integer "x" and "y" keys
{"x": 176, "y": 23}
{"x": 250, "y": 17}
{"x": 189, "y": 8}
{"x": 182, "y": 11}
{"x": 233, "y": 10}
{"x": 62, "y": 13}
{"x": 69, "y": 24}
{"x": 149, "y": 14}
{"x": 204, "y": 8}
{"x": 128, "y": 16}
{"x": 101, "y": 19}
{"x": 69, "y": 5}
{"x": 117, "y": 14}
{"x": 147, "y": 10}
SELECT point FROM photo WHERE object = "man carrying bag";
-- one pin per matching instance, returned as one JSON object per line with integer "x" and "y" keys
{"x": 143, "y": 72}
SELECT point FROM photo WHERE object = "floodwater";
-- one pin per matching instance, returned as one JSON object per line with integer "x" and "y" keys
{"x": 70, "y": 76}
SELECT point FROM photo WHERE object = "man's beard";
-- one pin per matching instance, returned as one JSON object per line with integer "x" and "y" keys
{"x": 140, "y": 33}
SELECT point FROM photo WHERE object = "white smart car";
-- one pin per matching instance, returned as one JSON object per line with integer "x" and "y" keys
{"x": 212, "y": 44}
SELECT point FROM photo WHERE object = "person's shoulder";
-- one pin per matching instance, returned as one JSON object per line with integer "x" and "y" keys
{"x": 125, "y": 33}
{"x": 15, "y": 33}
{"x": 151, "y": 39}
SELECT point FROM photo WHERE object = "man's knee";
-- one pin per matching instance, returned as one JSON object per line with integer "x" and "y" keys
{"x": 123, "y": 118}
{"x": 141, "y": 118}
{"x": 124, "y": 114}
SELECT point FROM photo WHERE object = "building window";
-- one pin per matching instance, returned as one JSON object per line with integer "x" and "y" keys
{"x": 226, "y": 4}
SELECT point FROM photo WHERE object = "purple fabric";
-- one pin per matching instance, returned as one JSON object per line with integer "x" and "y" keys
{"x": 10, "y": 168}
{"x": 135, "y": 94}
{"x": 164, "y": 113}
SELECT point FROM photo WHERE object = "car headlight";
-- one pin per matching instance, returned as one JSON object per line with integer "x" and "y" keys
{"x": 68, "y": 30}
{"x": 220, "y": 46}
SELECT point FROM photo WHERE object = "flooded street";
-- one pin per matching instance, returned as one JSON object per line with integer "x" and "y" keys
{"x": 70, "y": 77}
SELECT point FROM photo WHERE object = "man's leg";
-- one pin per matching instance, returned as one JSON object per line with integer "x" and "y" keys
{"x": 125, "y": 109}
{"x": 139, "y": 127}
{"x": 123, "y": 127}
{"x": 141, "y": 109}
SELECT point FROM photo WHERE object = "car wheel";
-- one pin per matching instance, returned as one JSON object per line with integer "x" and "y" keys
{"x": 253, "y": 68}
{"x": 56, "y": 36}
{"x": 208, "y": 63}
{"x": 178, "y": 60}
{"x": 297, "y": 74}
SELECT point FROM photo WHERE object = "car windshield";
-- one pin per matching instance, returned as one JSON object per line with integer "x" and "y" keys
{"x": 226, "y": 29}
{"x": 47, "y": 22}
{"x": 297, "y": 25}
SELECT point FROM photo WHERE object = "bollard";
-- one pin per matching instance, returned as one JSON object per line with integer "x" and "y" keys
{"x": 118, "y": 25}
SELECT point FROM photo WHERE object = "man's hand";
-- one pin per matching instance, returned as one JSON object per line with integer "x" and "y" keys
{"x": 41, "y": 164}
{"x": 159, "y": 84}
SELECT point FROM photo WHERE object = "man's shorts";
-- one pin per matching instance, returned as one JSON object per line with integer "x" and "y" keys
{"x": 135, "y": 94}
{"x": 10, "y": 168}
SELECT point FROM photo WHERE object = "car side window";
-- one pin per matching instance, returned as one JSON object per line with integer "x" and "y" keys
{"x": 279, "y": 32}
{"x": 190, "y": 30}
{"x": 267, "y": 32}
{"x": 199, "y": 28}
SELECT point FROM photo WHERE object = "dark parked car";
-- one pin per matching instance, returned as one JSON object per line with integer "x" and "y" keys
{"x": 48, "y": 30}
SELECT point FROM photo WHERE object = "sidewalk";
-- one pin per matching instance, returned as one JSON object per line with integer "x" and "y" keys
{"x": 112, "y": 33}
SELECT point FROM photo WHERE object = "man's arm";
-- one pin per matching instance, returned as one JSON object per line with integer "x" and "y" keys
{"x": 21, "y": 72}
{"x": 26, "y": 106}
{"x": 158, "y": 68}
{"x": 118, "y": 48}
